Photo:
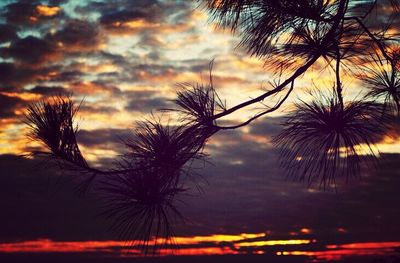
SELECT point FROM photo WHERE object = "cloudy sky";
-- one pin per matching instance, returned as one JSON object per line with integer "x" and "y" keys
{"x": 124, "y": 59}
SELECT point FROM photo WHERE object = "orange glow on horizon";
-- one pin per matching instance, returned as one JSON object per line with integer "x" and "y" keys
{"x": 274, "y": 243}
{"x": 209, "y": 245}
{"x": 212, "y": 245}
{"x": 212, "y": 238}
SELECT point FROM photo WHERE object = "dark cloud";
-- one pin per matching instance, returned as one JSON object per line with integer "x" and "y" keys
{"x": 254, "y": 196}
{"x": 40, "y": 202}
{"x": 146, "y": 102}
{"x": 18, "y": 75}
{"x": 30, "y": 50}
{"x": 147, "y": 14}
{"x": 249, "y": 198}
{"x": 49, "y": 90}
{"x": 70, "y": 39}
{"x": 65, "y": 75}
{"x": 77, "y": 35}
{"x": 150, "y": 12}
{"x": 232, "y": 148}
{"x": 113, "y": 58}
{"x": 26, "y": 13}
{"x": 102, "y": 6}
{"x": 9, "y": 88}
{"x": 155, "y": 56}
{"x": 197, "y": 65}
{"x": 268, "y": 127}
{"x": 8, "y": 33}
{"x": 95, "y": 108}
{"x": 147, "y": 105}
{"x": 383, "y": 17}
{"x": 12, "y": 75}
{"x": 20, "y": 13}
{"x": 103, "y": 137}
{"x": 107, "y": 86}
{"x": 150, "y": 72}
{"x": 8, "y": 105}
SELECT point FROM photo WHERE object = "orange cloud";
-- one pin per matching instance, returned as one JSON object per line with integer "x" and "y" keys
{"x": 90, "y": 88}
{"x": 45, "y": 10}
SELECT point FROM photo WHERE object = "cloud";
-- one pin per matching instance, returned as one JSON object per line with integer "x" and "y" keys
{"x": 94, "y": 88}
{"x": 45, "y": 205}
{"x": 12, "y": 75}
{"x": 66, "y": 75}
{"x": 22, "y": 50}
{"x": 140, "y": 15}
{"x": 49, "y": 90}
{"x": 8, "y": 33}
{"x": 103, "y": 137}
{"x": 267, "y": 126}
{"x": 20, "y": 13}
{"x": 246, "y": 191}
{"x": 128, "y": 17}
{"x": 77, "y": 36}
{"x": 25, "y": 13}
{"x": 8, "y": 105}
{"x": 18, "y": 75}
{"x": 149, "y": 39}
{"x": 96, "y": 109}
{"x": 249, "y": 198}
{"x": 147, "y": 105}
{"x": 146, "y": 101}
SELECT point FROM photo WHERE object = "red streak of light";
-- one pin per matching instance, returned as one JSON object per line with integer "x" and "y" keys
{"x": 201, "y": 251}
{"x": 47, "y": 245}
{"x": 367, "y": 245}
{"x": 335, "y": 255}
{"x": 119, "y": 248}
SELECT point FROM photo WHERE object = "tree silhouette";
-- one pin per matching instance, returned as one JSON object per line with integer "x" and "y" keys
{"x": 319, "y": 141}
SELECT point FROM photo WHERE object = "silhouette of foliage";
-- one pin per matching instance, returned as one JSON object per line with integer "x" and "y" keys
{"x": 263, "y": 23}
{"x": 140, "y": 192}
{"x": 321, "y": 141}
{"x": 383, "y": 82}
{"x": 198, "y": 102}
{"x": 141, "y": 198}
{"x": 52, "y": 124}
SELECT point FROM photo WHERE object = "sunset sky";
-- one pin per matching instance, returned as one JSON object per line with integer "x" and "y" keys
{"x": 124, "y": 60}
